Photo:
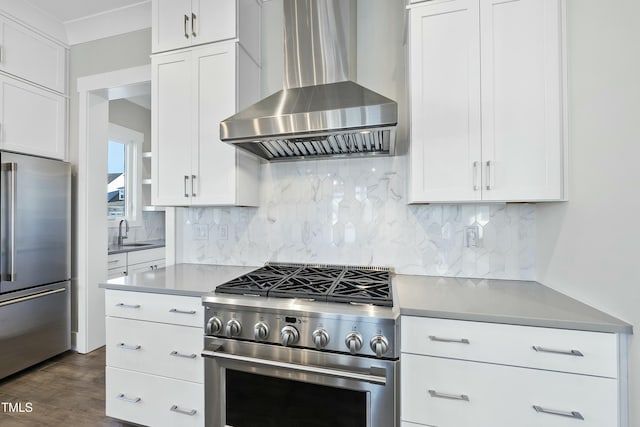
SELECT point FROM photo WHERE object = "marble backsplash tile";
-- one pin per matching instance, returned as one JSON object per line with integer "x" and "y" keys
{"x": 355, "y": 212}
{"x": 152, "y": 228}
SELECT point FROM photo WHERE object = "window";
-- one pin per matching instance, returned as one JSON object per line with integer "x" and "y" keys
{"x": 124, "y": 152}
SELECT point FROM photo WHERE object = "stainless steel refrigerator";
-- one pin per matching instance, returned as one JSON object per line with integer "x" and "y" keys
{"x": 35, "y": 255}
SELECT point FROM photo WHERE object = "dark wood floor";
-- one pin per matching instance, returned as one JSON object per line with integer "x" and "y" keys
{"x": 67, "y": 390}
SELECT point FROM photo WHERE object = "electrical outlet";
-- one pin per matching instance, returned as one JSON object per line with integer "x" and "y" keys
{"x": 472, "y": 236}
{"x": 223, "y": 232}
{"x": 200, "y": 232}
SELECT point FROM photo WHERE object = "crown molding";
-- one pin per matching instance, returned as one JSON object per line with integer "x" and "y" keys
{"x": 111, "y": 23}
{"x": 34, "y": 18}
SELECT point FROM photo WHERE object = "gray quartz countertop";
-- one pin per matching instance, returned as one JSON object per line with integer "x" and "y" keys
{"x": 135, "y": 246}
{"x": 499, "y": 301}
{"x": 180, "y": 279}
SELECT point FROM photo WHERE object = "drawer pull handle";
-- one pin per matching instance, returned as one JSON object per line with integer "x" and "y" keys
{"x": 129, "y": 347}
{"x": 123, "y": 305}
{"x": 175, "y": 310}
{"x": 459, "y": 341}
{"x": 190, "y": 412}
{"x": 186, "y": 356}
{"x": 121, "y": 396}
{"x": 568, "y": 414}
{"x": 565, "y": 352}
{"x": 434, "y": 393}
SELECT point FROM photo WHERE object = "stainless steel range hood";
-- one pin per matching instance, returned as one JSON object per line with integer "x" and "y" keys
{"x": 320, "y": 113}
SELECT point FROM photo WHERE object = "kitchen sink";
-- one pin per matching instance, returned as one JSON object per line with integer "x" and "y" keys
{"x": 136, "y": 244}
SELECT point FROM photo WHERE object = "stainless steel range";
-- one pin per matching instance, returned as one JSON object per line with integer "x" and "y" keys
{"x": 293, "y": 345}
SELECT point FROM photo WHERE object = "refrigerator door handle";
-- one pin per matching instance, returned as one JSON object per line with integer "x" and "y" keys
{"x": 11, "y": 168}
{"x": 32, "y": 296}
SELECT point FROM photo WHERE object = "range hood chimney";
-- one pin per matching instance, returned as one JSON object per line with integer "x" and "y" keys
{"x": 321, "y": 113}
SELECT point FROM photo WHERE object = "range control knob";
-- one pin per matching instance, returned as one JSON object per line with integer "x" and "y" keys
{"x": 233, "y": 328}
{"x": 261, "y": 331}
{"x": 320, "y": 338}
{"x": 289, "y": 335}
{"x": 379, "y": 345}
{"x": 214, "y": 326}
{"x": 353, "y": 341}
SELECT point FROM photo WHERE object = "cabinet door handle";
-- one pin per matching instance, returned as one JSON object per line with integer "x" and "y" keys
{"x": 129, "y": 347}
{"x": 186, "y": 20}
{"x": 193, "y": 24}
{"x": 569, "y": 414}
{"x": 434, "y": 393}
{"x": 175, "y": 310}
{"x": 193, "y": 180}
{"x": 489, "y": 165}
{"x": 475, "y": 176}
{"x": 186, "y": 193}
{"x": 565, "y": 352}
{"x": 459, "y": 341}
{"x": 123, "y": 305}
{"x": 190, "y": 412}
{"x": 121, "y": 396}
{"x": 186, "y": 356}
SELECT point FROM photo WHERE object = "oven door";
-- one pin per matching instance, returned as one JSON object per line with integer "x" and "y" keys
{"x": 251, "y": 384}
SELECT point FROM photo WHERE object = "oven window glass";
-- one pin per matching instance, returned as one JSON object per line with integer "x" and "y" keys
{"x": 260, "y": 401}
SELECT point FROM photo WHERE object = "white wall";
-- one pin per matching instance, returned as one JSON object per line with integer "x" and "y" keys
{"x": 110, "y": 54}
{"x": 588, "y": 247}
{"x": 101, "y": 56}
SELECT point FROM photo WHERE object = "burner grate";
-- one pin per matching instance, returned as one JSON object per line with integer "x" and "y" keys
{"x": 346, "y": 284}
{"x": 250, "y": 284}
{"x": 361, "y": 291}
{"x": 303, "y": 287}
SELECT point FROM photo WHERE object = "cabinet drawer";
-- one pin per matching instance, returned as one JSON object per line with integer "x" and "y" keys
{"x": 153, "y": 401}
{"x": 117, "y": 261}
{"x": 155, "y": 348}
{"x": 175, "y": 309}
{"x": 581, "y": 352}
{"x": 136, "y": 257}
{"x": 145, "y": 266}
{"x": 454, "y": 393}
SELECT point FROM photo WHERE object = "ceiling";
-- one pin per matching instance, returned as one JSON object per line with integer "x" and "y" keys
{"x": 70, "y": 10}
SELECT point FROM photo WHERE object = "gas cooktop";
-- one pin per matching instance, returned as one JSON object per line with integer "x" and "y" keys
{"x": 331, "y": 283}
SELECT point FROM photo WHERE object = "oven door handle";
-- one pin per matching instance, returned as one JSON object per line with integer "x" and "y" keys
{"x": 373, "y": 379}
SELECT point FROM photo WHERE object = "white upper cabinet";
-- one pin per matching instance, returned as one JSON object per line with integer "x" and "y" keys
{"x": 32, "y": 119}
{"x": 486, "y": 101}
{"x": 184, "y": 23}
{"x": 30, "y": 56}
{"x": 171, "y": 129}
{"x": 445, "y": 102}
{"x": 192, "y": 91}
{"x": 522, "y": 126}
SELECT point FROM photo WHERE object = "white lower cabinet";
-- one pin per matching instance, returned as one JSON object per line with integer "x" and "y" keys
{"x": 152, "y": 400}
{"x": 155, "y": 348}
{"x": 155, "y": 372}
{"x": 459, "y": 373}
{"x": 456, "y": 393}
{"x": 128, "y": 263}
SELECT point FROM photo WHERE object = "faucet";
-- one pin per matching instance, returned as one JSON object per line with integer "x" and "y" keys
{"x": 126, "y": 231}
